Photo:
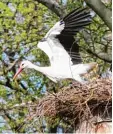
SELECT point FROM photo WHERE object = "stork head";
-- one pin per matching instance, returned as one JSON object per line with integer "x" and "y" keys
{"x": 23, "y": 64}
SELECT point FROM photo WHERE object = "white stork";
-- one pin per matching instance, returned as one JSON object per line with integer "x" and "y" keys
{"x": 63, "y": 52}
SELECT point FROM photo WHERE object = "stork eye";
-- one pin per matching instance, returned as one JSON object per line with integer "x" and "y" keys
{"x": 22, "y": 64}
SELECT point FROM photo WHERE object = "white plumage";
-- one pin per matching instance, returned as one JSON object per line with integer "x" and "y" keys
{"x": 55, "y": 44}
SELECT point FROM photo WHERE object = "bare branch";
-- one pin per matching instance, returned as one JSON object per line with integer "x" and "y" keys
{"x": 52, "y": 5}
{"x": 13, "y": 64}
{"x": 103, "y": 56}
{"x": 104, "y": 13}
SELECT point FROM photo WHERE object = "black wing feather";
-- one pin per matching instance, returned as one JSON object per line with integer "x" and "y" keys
{"x": 74, "y": 22}
{"x": 71, "y": 46}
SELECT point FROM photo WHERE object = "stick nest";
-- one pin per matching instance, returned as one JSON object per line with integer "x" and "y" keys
{"x": 78, "y": 102}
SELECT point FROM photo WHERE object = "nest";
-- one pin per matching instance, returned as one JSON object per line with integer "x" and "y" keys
{"x": 78, "y": 102}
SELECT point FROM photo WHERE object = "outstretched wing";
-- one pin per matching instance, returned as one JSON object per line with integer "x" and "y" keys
{"x": 60, "y": 38}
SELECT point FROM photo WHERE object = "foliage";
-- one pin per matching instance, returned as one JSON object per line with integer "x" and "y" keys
{"x": 21, "y": 27}
{"x": 22, "y": 24}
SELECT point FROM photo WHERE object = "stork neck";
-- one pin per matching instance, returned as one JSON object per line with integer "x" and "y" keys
{"x": 36, "y": 67}
{"x": 44, "y": 70}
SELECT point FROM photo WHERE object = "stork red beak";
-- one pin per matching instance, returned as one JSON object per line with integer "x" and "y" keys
{"x": 17, "y": 73}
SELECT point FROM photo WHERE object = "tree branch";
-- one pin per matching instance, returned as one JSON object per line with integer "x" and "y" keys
{"x": 103, "y": 56}
{"x": 52, "y": 5}
{"x": 104, "y": 13}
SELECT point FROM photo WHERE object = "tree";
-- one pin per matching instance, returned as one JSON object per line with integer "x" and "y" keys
{"x": 22, "y": 24}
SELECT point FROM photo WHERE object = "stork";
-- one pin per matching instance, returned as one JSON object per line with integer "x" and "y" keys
{"x": 63, "y": 52}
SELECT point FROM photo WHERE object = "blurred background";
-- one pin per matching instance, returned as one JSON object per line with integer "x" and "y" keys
{"x": 22, "y": 24}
